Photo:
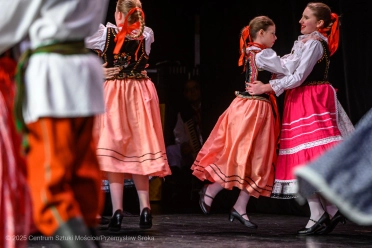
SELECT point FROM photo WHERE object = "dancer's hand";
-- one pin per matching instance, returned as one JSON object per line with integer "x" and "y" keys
{"x": 144, "y": 72}
{"x": 110, "y": 72}
{"x": 258, "y": 88}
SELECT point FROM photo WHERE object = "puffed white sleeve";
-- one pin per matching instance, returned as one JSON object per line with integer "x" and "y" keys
{"x": 312, "y": 51}
{"x": 149, "y": 38}
{"x": 268, "y": 60}
{"x": 16, "y": 17}
{"x": 98, "y": 39}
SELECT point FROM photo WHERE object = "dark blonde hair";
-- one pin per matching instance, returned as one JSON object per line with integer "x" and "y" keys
{"x": 124, "y": 6}
{"x": 322, "y": 12}
{"x": 258, "y": 23}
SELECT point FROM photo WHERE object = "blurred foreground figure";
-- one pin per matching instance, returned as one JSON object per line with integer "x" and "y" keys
{"x": 59, "y": 91}
{"x": 343, "y": 174}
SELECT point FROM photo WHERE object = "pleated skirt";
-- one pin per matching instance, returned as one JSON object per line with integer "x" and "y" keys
{"x": 309, "y": 128}
{"x": 129, "y": 133}
{"x": 240, "y": 150}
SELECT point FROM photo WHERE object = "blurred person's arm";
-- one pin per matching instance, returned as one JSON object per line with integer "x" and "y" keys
{"x": 16, "y": 17}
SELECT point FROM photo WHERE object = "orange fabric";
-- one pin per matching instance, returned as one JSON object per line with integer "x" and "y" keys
{"x": 64, "y": 175}
{"x": 130, "y": 131}
{"x": 126, "y": 29}
{"x": 240, "y": 150}
{"x": 332, "y": 33}
{"x": 277, "y": 125}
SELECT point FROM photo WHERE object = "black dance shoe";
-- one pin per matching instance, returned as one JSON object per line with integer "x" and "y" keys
{"x": 234, "y": 214}
{"x": 333, "y": 223}
{"x": 146, "y": 219}
{"x": 204, "y": 207}
{"x": 115, "y": 222}
{"x": 324, "y": 220}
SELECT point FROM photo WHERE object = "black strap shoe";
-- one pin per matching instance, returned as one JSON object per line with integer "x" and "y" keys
{"x": 234, "y": 214}
{"x": 338, "y": 217}
{"x": 324, "y": 220}
{"x": 204, "y": 207}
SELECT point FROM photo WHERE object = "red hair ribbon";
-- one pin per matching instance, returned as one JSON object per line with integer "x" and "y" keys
{"x": 334, "y": 35}
{"x": 243, "y": 45}
{"x": 127, "y": 29}
{"x": 244, "y": 36}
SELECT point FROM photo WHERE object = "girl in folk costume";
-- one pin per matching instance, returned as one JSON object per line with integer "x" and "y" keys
{"x": 313, "y": 119}
{"x": 130, "y": 132}
{"x": 240, "y": 150}
{"x": 59, "y": 92}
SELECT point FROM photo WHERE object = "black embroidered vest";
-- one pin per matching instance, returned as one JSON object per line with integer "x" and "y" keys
{"x": 132, "y": 58}
{"x": 319, "y": 74}
{"x": 252, "y": 73}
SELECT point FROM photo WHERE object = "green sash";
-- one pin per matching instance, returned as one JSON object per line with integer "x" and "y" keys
{"x": 63, "y": 48}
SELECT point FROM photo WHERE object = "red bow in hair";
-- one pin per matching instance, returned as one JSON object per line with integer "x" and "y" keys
{"x": 334, "y": 35}
{"x": 243, "y": 45}
{"x": 127, "y": 29}
{"x": 244, "y": 36}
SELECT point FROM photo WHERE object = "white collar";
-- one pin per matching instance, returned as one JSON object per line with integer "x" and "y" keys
{"x": 314, "y": 34}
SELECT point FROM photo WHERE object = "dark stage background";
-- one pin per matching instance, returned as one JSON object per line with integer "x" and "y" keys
{"x": 177, "y": 24}
{"x": 200, "y": 38}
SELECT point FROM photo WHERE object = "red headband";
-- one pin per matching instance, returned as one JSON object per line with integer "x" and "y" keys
{"x": 127, "y": 29}
{"x": 334, "y": 35}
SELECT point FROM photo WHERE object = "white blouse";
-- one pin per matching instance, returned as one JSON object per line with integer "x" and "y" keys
{"x": 268, "y": 60}
{"x": 302, "y": 60}
{"x": 56, "y": 85}
{"x": 98, "y": 40}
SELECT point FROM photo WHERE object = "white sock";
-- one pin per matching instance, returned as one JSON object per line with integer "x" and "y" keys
{"x": 316, "y": 209}
{"x": 212, "y": 191}
{"x": 241, "y": 203}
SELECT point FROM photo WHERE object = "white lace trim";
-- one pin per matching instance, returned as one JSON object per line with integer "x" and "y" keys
{"x": 344, "y": 124}
{"x": 310, "y": 145}
{"x": 285, "y": 189}
{"x": 314, "y": 34}
{"x": 299, "y": 44}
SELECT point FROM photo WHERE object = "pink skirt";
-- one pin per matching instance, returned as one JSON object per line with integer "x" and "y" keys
{"x": 240, "y": 150}
{"x": 309, "y": 128}
{"x": 130, "y": 136}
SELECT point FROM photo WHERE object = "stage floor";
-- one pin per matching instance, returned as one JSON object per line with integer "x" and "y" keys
{"x": 215, "y": 230}
{"x": 179, "y": 222}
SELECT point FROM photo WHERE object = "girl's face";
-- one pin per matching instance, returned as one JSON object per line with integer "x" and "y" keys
{"x": 309, "y": 23}
{"x": 268, "y": 37}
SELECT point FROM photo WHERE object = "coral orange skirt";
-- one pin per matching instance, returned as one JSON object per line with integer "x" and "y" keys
{"x": 240, "y": 150}
{"x": 130, "y": 135}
